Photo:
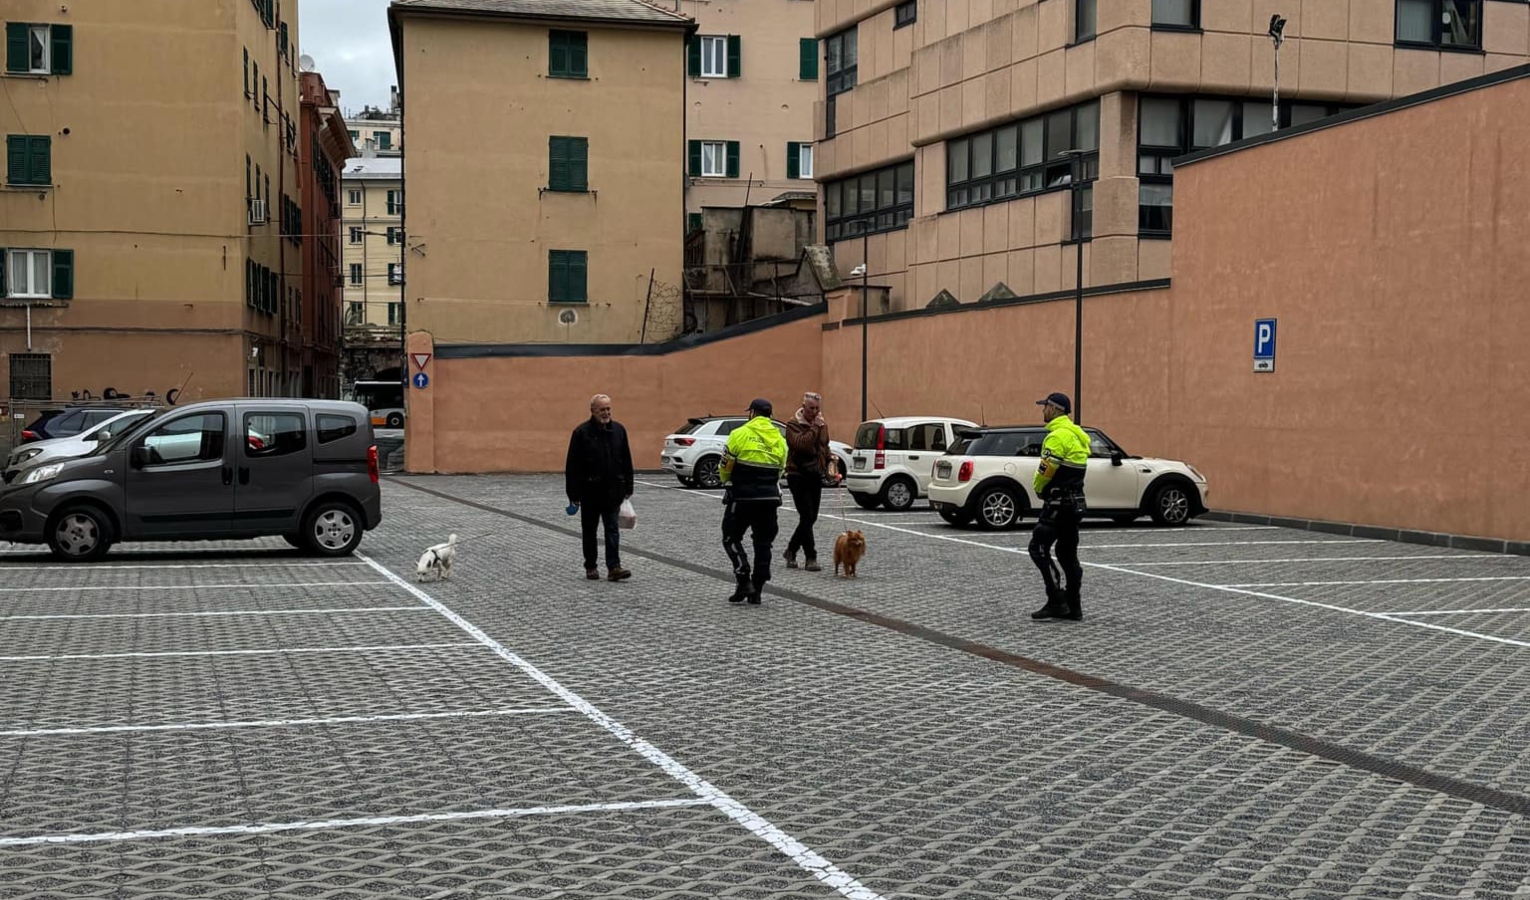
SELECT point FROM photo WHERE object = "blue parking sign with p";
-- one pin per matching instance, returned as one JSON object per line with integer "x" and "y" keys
{"x": 1264, "y": 345}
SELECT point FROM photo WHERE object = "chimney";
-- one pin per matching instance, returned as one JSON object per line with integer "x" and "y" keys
{"x": 393, "y": 103}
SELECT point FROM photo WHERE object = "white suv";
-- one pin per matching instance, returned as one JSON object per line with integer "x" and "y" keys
{"x": 987, "y": 478}
{"x": 694, "y": 452}
{"x": 892, "y": 461}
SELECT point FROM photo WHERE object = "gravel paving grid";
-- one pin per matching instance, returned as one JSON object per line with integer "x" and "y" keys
{"x": 908, "y": 765}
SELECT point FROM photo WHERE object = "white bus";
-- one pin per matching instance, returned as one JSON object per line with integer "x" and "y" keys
{"x": 383, "y": 399}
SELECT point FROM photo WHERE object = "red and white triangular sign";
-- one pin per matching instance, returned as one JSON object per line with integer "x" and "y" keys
{"x": 420, "y": 359}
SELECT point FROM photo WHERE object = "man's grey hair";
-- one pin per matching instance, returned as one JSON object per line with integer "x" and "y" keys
{"x": 595, "y": 400}
{"x": 816, "y": 398}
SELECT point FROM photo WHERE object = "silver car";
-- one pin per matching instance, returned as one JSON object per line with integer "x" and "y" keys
{"x": 39, "y": 452}
{"x": 306, "y": 470}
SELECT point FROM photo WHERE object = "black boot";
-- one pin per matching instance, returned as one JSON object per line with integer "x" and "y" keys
{"x": 1055, "y": 608}
{"x": 740, "y": 592}
{"x": 1075, "y": 609}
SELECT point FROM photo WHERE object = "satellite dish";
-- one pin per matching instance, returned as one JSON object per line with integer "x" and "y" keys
{"x": 305, "y": 62}
{"x": 568, "y": 317}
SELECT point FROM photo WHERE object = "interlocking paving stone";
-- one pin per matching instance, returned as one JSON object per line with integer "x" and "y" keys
{"x": 920, "y": 770}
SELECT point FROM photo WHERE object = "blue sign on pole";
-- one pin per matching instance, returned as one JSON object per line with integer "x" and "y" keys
{"x": 421, "y": 380}
{"x": 1264, "y": 345}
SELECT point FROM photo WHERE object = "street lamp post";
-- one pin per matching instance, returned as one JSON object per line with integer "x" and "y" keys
{"x": 1076, "y": 178}
{"x": 1278, "y": 36}
{"x": 863, "y": 270}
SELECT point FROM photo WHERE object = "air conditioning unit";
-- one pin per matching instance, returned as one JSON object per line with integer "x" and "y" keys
{"x": 259, "y": 215}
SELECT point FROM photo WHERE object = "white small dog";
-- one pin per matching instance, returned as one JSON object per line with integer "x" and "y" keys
{"x": 438, "y": 560}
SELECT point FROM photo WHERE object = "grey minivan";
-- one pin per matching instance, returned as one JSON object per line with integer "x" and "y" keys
{"x": 306, "y": 470}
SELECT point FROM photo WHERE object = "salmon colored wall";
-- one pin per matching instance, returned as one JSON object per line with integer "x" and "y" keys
{"x": 516, "y": 413}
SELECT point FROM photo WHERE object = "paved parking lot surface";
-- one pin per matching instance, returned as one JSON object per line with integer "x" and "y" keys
{"x": 1245, "y": 711}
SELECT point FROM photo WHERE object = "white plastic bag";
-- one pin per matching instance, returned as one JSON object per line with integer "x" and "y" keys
{"x": 626, "y": 517}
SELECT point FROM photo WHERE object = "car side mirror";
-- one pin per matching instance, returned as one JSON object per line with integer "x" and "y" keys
{"x": 1115, "y": 457}
{"x": 139, "y": 456}
{"x": 101, "y": 436}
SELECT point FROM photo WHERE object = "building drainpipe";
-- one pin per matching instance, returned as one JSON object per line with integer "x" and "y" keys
{"x": 281, "y": 191}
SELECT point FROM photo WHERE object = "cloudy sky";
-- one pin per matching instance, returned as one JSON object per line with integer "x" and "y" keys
{"x": 348, "y": 40}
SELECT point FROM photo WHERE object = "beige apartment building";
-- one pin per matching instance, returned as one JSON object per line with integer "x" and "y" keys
{"x": 150, "y": 213}
{"x": 753, "y": 69}
{"x": 378, "y": 131}
{"x": 945, "y": 128}
{"x": 372, "y": 242}
{"x": 545, "y": 200}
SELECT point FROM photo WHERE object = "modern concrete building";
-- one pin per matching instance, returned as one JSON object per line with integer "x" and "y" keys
{"x": 323, "y": 148}
{"x": 943, "y": 123}
{"x": 151, "y": 183}
{"x": 753, "y": 71}
{"x": 548, "y": 210}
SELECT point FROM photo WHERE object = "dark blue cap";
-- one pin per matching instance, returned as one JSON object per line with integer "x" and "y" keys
{"x": 761, "y": 406}
{"x": 1058, "y": 400}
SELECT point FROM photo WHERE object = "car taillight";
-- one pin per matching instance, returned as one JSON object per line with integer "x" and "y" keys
{"x": 964, "y": 474}
{"x": 29, "y": 436}
{"x": 881, "y": 457}
{"x": 685, "y": 442}
{"x": 372, "y": 463}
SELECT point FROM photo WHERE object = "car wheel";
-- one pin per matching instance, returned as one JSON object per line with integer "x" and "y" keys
{"x": 395, "y": 420}
{"x": 333, "y": 528}
{"x": 1124, "y": 518}
{"x": 80, "y": 534}
{"x": 998, "y": 509}
{"x": 705, "y": 473}
{"x": 899, "y": 494}
{"x": 866, "y": 501}
{"x": 1171, "y": 505}
{"x": 956, "y": 517}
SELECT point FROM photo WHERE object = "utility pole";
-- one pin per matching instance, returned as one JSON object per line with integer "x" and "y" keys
{"x": 1277, "y": 35}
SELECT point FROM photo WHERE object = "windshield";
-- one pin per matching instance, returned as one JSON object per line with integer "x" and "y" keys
{"x": 123, "y": 429}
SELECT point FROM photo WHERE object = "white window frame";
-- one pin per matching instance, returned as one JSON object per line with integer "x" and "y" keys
{"x": 356, "y": 273}
{"x": 47, "y": 49}
{"x": 714, "y": 56}
{"x": 718, "y": 157}
{"x": 353, "y": 197}
{"x": 357, "y": 235}
{"x": 805, "y": 161}
{"x": 13, "y": 269}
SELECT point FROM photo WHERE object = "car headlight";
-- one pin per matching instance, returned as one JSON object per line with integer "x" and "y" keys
{"x": 24, "y": 455}
{"x": 44, "y": 473}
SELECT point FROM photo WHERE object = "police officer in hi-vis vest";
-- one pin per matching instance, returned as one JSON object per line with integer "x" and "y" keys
{"x": 1060, "y": 485}
{"x": 751, "y": 475}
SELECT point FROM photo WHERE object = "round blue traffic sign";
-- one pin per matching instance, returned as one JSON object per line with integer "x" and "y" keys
{"x": 421, "y": 380}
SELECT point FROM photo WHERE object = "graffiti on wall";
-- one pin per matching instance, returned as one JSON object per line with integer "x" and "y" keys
{"x": 111, "y": 393}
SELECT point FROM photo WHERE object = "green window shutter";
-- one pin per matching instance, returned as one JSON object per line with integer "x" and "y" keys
{"x": 557, "y": 164}
{"x": 63, "y": 49}
{"x": 579, "y": 54}
{"x": 807, "y": 62}
{"x": 16, "y": 56}
{"x": 281, "y": 41}
{"x": 692, "y": 57}
{"x": 41, "y": 168}
{"x": 579, "y": 164}
{"x": 557, "y": 53}
{"x": 735, "y": 55}
{"x": 733, "y": 159}
{"x": 16, "y": 146}
{"x": 695, "y": 159}
{"x": 793, "y": 168}
{"x": 63, "y": 274}
{"x": 557, "y": 276}
{"x": 693, "y": 222}
{"x": 246, "y": 71}
{"x": 5, "y": 288}
{"x": 578, "y": 264}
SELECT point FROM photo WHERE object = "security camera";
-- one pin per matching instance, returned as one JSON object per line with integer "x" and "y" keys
{"x": 1277, "y": 27}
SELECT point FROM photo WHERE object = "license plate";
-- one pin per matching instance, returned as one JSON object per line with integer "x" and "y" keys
{"x": 860, "y": 464}
{"x": 942, "y": 470}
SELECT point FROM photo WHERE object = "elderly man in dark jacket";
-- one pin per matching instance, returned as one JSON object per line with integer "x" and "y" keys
{"x": 598, "y": 477}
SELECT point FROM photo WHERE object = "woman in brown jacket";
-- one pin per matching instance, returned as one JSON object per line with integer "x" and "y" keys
{"x": 808, "y": 463}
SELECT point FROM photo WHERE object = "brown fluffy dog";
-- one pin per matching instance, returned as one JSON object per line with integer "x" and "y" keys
{"x": 849, "y": 547}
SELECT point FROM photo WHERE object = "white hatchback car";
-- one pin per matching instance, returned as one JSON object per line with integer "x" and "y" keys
{"x": 695, "y": 451}
{"x": 988, "y": 478}
{"x": 892, "y": 461}
{"x": 38, "y": 452}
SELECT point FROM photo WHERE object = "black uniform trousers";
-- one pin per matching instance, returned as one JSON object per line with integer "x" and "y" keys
{"x": 1058, "y": 526}
{"x": 758, "y": 517}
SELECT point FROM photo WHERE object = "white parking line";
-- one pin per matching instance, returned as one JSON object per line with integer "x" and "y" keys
{"x": 381, "y": 648}
{"x": 324, "y": 824}
{"x": 285, "y": 723}
{"x": 1314, "y": 559}
{"x": 158, "y": 567}
{"x": 706, "y": 792}
{"x": 1224, "y": 544}
{"x": 1270, "y": 584}
{"x": 1456, "y": 612}
{"x": 187, "y": 587}
{"x": 237, "y": 612}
